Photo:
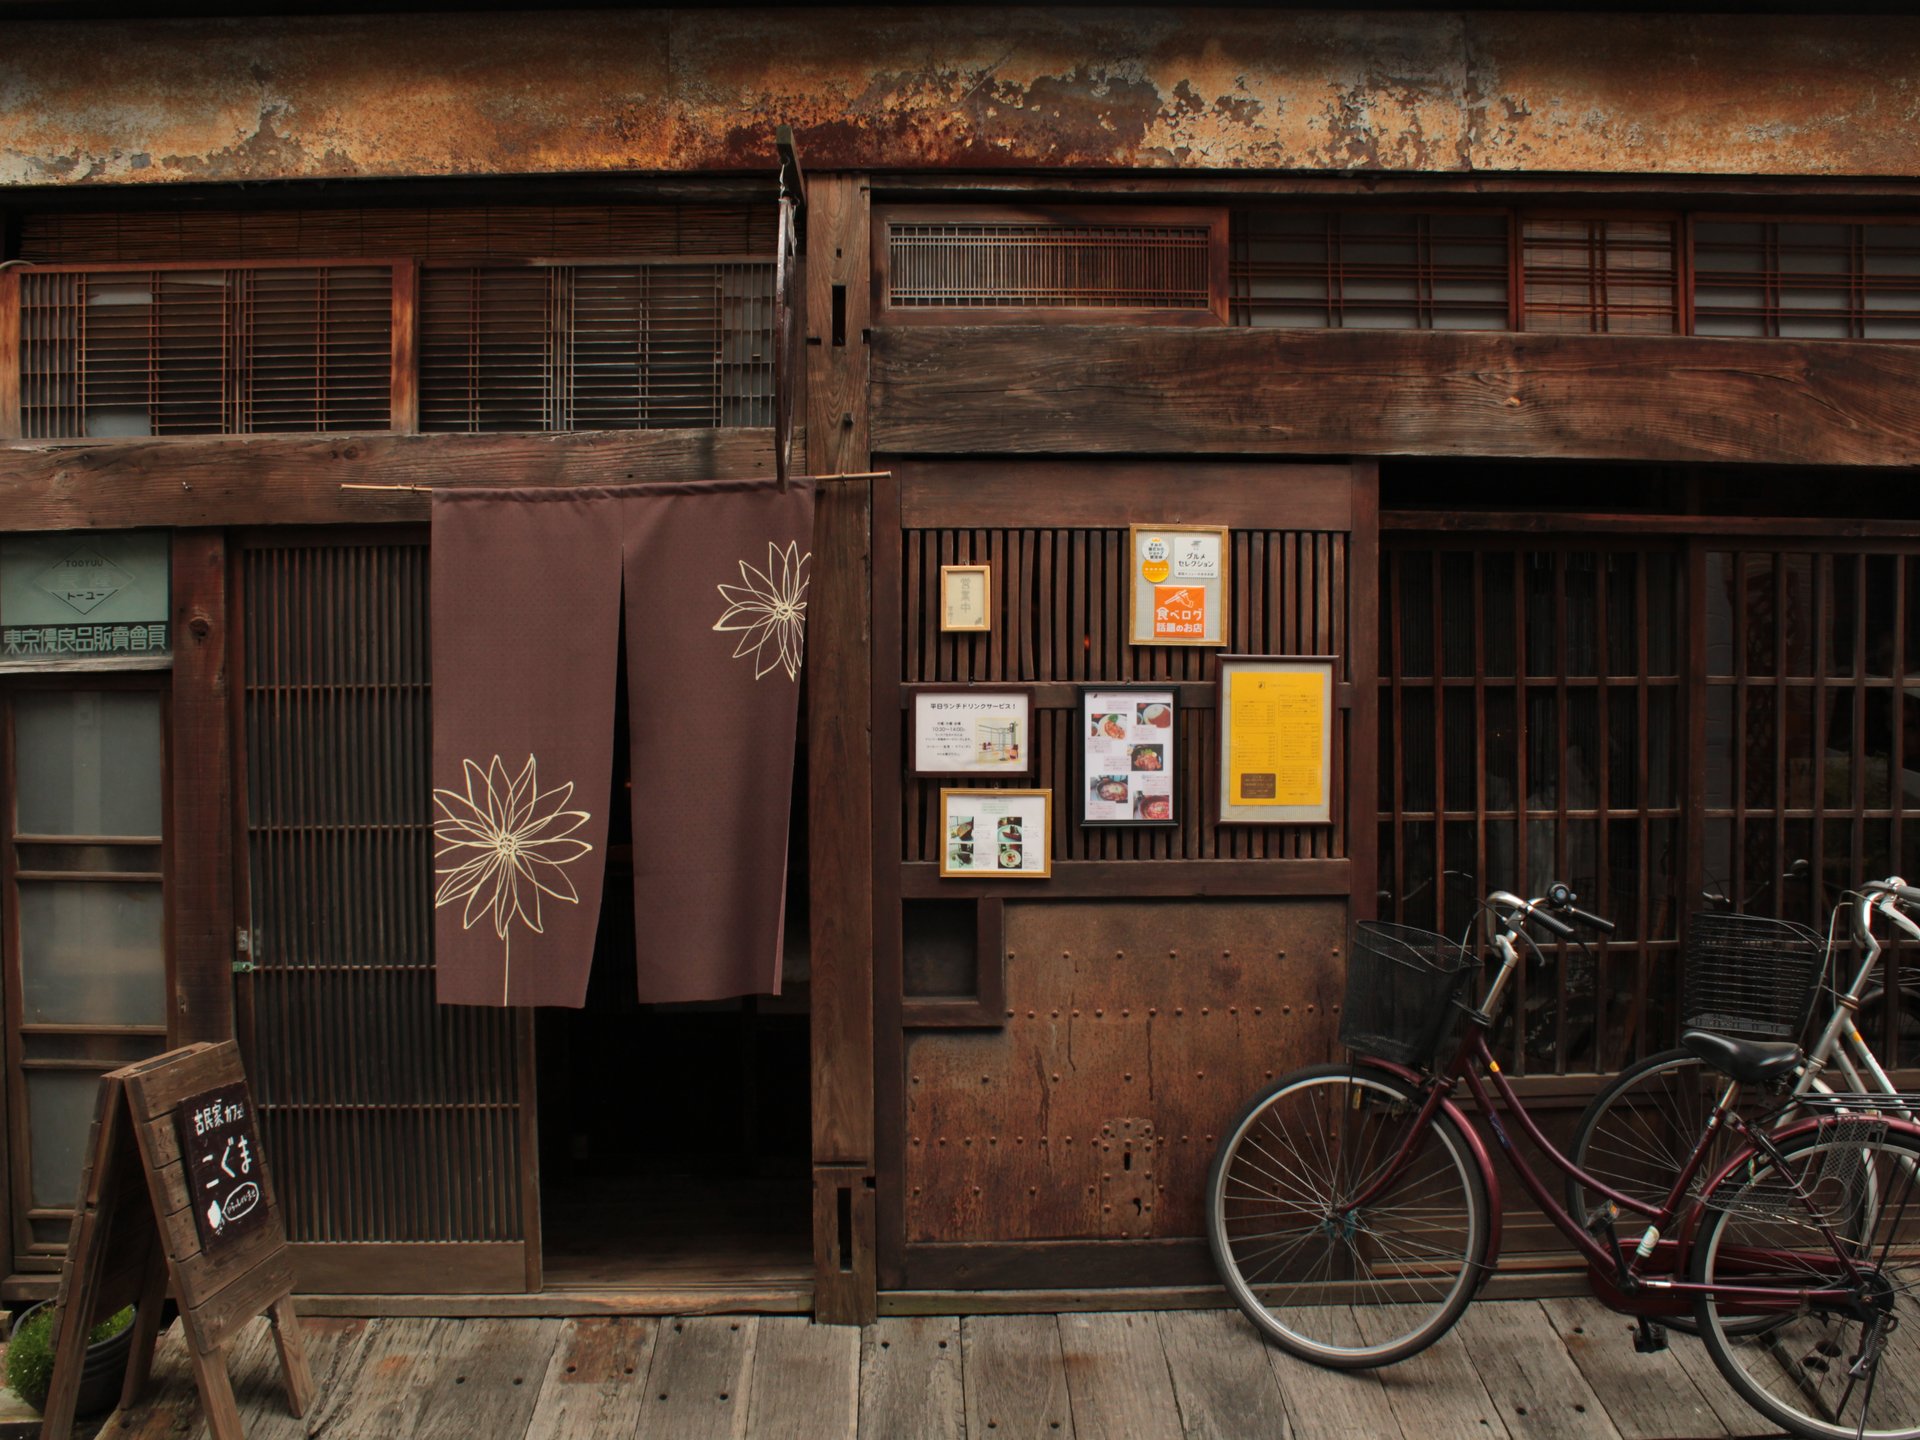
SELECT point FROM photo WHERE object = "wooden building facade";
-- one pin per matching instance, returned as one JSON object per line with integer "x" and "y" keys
{"x": 1554, "y": 375}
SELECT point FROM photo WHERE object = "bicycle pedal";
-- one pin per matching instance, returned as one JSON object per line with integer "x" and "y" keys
{"x": 1650, "y": 1339}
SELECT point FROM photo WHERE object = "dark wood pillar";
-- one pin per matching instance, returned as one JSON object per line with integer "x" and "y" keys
{"x": 200, "y": 813}
{"x": 840, "y": 751}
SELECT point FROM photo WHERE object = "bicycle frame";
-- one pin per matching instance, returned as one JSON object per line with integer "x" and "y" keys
{"x": 1841, "y": 1042}
{"x": 1636, "y": 1287}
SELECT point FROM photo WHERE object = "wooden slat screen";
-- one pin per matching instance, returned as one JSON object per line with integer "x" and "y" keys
{"x": 1060, "y": 608}
{"x": 1391, "y": 270}
{"x": 1806, "y": 279}
{"x": 234, "y": 350}
{"x": 465, "y": 234}
{"x": 1600, "y": 275}
{"x": 659, "y": 345}
{"x": 390, "y": 1118}
{"x": 1532, "y": 729}
{"x": 1812, "y": 738}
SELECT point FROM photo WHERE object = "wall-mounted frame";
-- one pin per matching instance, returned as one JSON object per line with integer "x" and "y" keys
{"x": 971, "y": 730}
{"x": 1129, "y": 754}
{"x": 1179, "y": 584}
{"x": 1276, "y": 740}
{"x": 996, "y": 834}
{"x": 966, "y": 597}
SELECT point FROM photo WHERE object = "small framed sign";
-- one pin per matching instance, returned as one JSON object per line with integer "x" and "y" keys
{"x": 996, "y": 834}
{"x": 966, "y": 597}
{"x": 972, "y": 730}
{"x": 1276, "y": 739}
{"x": 1178, "y": 585}
{"x": 1129, "y": 752}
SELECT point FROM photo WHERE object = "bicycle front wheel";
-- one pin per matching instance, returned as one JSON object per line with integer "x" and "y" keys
{"x": 1297, "y": 1256}
{"x": 1822, "y": 1370}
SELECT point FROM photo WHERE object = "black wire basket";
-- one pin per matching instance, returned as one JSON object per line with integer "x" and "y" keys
{"x": 1401, "y": 986}
{"x": 1751, "y": 975}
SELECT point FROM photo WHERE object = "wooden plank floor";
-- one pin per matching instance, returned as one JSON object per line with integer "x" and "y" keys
{"x": 1512, "y": 1370}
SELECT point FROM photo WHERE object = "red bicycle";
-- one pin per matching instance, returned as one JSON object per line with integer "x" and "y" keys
{"x": 1354, "y": 1212}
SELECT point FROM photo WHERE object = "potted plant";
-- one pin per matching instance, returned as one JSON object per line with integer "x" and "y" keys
{"x": 30, "y": 1358}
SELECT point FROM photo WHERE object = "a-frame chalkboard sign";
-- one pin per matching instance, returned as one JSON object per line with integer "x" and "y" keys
{"x": 176, "y": 1194}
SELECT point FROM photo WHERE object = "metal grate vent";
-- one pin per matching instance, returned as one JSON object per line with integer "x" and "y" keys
{"x": 1297, "y": 269}
{"x": 1163, "y": 262}
{"x": 645, "y": 346}
{"x": 236, "y": 350}
{"x": 1596, "y": 276}
{"x": 1806, "y": 281}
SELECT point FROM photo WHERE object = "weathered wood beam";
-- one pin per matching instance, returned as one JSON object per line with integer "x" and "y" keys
{"x": 1114, "y": 389}
{"x": 296, "y": 480}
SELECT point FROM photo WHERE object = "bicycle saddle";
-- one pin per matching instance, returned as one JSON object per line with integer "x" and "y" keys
{"x": 1751, "y": 1062}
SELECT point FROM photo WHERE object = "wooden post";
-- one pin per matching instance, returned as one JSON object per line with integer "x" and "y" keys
{"x": 840, "y": 752}
{"x": 200, "y": 882}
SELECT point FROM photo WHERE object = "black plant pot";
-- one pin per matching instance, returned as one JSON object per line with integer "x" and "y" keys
{"x": 104, "y": 1370}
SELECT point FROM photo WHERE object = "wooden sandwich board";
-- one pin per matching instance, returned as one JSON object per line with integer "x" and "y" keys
{"x": 176, "y": 1196}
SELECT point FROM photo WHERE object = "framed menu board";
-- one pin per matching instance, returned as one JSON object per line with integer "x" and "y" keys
{"x": 996, "y": 834}
{"x": 1129, "y": 753}
{"x": 971, "y": 730}
{"x": 1276, "y": 739}
{"x": 1178, "y": 584}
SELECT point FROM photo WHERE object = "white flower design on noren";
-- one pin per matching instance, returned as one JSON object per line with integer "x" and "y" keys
{"x": 771, "y": 609}
{"x": 506, "y": 843}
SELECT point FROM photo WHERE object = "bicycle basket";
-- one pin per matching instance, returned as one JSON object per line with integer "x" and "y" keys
{"x": 1750, "y": 975}
{"x": 1401, "y": 984}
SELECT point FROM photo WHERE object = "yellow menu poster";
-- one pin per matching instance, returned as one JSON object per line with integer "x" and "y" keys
{"x": 1278, "y": 738}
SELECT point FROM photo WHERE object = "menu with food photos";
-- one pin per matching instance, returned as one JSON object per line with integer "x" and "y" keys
{"x": 996, "y": 834}
{"x": 1128, "y": 756}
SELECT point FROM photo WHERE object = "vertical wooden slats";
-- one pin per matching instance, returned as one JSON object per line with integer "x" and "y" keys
{"x": 392, "y": 1119}
{"x": 1061, "y": 605}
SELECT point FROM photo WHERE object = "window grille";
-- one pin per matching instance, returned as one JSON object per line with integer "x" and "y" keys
{"x": 1600, "y": 276}
{"x": 1806, "y": 281}
{"x": 959, "y": 266}
{"x": 205, "y": 351}
{"x": 642, "y": 346}
{"x": 1372, "y": 270}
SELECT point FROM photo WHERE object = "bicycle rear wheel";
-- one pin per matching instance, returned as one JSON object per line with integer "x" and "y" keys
{"x": 1826, "y": 1371}
{"x": 1296, "y": 1258}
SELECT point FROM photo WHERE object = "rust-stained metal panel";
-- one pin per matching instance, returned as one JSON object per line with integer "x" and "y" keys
{"x": 217, "y": 100}
{"x": 1134, "y": 1032}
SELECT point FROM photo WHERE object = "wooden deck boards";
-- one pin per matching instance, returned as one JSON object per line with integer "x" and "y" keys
{"x": 1510, "y": 1371}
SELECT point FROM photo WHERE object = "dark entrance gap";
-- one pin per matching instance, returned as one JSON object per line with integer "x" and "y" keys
{"x": 674, "y": 1139}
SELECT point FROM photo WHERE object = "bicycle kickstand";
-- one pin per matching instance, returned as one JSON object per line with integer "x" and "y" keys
{"x": 1651, "y": 1338}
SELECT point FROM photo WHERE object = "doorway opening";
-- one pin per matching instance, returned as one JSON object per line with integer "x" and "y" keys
{"x": 675, "y": 1144}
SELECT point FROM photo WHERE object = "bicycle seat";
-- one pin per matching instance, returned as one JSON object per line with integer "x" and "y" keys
{"x": 1751, "y": 1062}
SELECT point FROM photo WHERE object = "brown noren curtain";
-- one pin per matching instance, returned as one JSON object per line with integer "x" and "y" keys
{"x": 527, "y": 590}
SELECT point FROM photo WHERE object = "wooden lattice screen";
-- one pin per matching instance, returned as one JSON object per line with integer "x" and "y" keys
{"x": 394, "y": 1123}
{"x": 1062, "y": 593}
{"x": 168, "y": 350}
{"x": 1532, "y": 729}
{"x": 1605, "y": 275}
{"x": 1806, "y": 279}
{"x": 668, "y": 344}
{"x": 1383, "y": 270}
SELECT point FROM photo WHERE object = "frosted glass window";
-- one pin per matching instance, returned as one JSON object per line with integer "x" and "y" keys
{"x": 89, "y": 763}
{"x": 91, "y": 952}
{"x": 60, "y": 1116}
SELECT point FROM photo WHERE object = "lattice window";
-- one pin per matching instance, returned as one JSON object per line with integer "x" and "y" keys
{"x": 390, "y": 1118}
{"x": 122, "y": 352}
{"x": 1806, "y": 280}
{"x": 961, "y": 265}
{"x": 1533, "y": 729}
{"x": 1812, "y": 735}
{"x": 645, "y": 346}
{"x": 1601, "y": 275}
{"x": 1370, "y": 270}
